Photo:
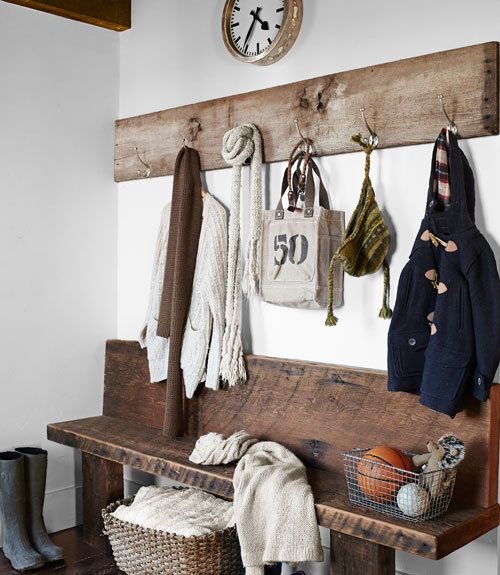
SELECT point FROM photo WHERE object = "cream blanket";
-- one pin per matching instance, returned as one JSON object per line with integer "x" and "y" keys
{"x": 187, "y": 512}
{"x": 273, "y": 502}
{"x": 214, "y": 449}
{"x": 274, "y": 509}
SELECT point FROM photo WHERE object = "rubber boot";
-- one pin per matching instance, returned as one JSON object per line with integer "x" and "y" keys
{"x": 16, "y": 544}
{"x": 35, "y": 465}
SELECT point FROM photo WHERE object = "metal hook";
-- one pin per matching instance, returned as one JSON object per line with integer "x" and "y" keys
{"x": 452, "y": 127}
{"x": 147, "y": 172}
{"x": 373, "y": 139}
{"x": 307, "y": 141}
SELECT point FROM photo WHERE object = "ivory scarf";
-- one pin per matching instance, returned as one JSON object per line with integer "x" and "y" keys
{"x": 239, "y": 145}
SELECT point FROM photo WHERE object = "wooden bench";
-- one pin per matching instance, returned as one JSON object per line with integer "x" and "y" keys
{"x": 316, "y": 410}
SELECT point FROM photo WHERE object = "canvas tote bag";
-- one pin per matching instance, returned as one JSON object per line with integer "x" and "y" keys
{"x": 297, "y": 245}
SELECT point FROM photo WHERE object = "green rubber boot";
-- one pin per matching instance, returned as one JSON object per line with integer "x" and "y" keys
{"x": 16, "y": 544}
{"x": 35, "y": 465}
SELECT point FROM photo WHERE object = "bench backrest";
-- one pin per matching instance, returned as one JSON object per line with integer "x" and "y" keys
{"x": 316, "y": 410}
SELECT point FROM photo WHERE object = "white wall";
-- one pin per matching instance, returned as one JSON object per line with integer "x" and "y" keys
{"x": 174, "y": 55}
{"x": 58, "y": 101}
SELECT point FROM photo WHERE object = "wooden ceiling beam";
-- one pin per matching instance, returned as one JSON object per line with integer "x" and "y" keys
{"x": 111, "y": 14}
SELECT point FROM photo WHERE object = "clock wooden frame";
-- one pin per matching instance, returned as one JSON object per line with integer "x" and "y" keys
{"x": 285, "y": 39}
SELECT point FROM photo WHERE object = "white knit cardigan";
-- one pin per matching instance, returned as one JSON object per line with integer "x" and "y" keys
{"x": 205, "y": 325}
{"x": 158, "y": 347}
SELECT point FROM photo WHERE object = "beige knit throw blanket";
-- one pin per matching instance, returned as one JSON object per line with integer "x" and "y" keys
{"x": 239, "y": 145}
{"x": 273, "y": 502}
{"x": 274, "y": 509}
{"x": 186, "y": 512}
{"x": 214, "y": 449}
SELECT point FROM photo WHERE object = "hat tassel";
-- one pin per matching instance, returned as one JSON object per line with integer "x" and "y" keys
{"x": 385, "y": 310}
{"x": 331, "y": 319}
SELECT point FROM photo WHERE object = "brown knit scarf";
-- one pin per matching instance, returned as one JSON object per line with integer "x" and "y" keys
{"x": 185, "y": 224}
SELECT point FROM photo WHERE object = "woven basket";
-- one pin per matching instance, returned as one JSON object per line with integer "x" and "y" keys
{"x": 141, "y": 551}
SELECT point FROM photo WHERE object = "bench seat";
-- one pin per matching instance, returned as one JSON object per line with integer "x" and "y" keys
{"x": 124, "y": 442}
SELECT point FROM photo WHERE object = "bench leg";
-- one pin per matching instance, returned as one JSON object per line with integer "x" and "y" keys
{"x": 102, "y": 484}
{"x": 353, "y": 556}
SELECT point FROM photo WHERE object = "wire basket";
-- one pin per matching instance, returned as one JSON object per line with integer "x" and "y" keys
{"x": 394, "y": 491}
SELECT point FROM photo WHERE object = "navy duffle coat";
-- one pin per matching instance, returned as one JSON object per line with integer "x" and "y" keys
{"x": 444, "y": 337}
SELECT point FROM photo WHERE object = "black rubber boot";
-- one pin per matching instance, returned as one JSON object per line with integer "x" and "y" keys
{"x": 16, "y": 544}
{"x": 35, "y": 465}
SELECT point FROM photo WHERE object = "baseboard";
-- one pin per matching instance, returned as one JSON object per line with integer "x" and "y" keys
{"x": 62, "y": 508}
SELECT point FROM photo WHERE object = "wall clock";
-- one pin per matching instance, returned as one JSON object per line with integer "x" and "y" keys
{"x": 261, "y": 31}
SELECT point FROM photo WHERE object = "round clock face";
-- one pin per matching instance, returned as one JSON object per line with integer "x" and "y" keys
{"x": 261, "y": 31}
{"x": 254, "y": 27}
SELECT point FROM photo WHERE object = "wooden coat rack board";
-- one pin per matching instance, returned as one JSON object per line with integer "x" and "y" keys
{"x": 401, "y": 101}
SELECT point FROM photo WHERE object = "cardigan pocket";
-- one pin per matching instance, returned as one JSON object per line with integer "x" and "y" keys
{"x": 446, "y": 373}
{"x": 407, "y": 351}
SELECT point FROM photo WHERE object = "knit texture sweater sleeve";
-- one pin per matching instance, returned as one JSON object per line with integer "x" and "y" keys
{"x": 157, "y": 346}
{"x": 202, "y": 345}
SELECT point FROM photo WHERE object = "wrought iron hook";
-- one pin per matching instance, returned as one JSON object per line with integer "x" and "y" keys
{"x": 373, "y": 138}
{"x": 307, "y": 141}
{"x": 452, "y": 127}
{"x": 147, "y": 172}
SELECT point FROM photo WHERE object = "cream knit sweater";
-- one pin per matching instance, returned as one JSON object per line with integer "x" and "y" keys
{"x": 157, "y": 346}
{"x": 202, "y": 346}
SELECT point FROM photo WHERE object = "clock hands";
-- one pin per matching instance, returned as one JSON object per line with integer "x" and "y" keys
{"x": 263, "y": 24}
{"x": 252, "y": 26}
{"x": 256, "y": 18}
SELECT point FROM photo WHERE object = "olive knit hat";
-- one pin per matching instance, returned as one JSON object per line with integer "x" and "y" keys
{"x": 366, "y": 241}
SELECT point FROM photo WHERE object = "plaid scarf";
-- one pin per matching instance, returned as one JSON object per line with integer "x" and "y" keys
{"x": 442, "y": 173}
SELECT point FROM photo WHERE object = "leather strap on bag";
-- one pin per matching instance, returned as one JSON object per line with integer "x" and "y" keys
{"x": 293, "y": 184}
{"x": 293, "y": 192}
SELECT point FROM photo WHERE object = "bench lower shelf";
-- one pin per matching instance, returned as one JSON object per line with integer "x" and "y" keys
{"x": 108, "y": 443}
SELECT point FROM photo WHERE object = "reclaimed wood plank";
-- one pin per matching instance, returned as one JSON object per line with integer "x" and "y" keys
{"x": 146, "y": 449}
{"x": 316, "y": 410}
{"x": 111, "y": 14}
{"x": 102, "y": 484}
{"x": 353, "y": 556}
{"x": 494, "y": 445}
{"x": 400, "y": 100}
{"x": 127, "y": 390}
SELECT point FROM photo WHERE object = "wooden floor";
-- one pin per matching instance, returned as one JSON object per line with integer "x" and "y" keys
{"x": 81, "y": 559}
